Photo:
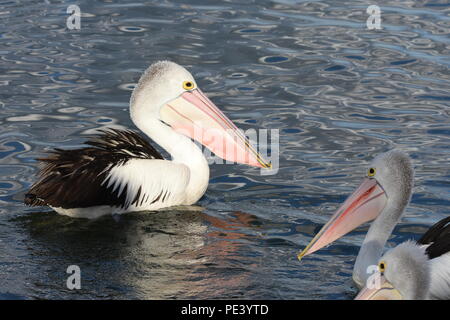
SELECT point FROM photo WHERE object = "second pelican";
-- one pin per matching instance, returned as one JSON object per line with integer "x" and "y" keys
{"x": 382, "y": 196}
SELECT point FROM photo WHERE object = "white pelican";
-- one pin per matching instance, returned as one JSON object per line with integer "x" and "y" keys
{"x": 415, "y": 270}
{"x": 121, "y": 172}
{"x": 383, "y": 195}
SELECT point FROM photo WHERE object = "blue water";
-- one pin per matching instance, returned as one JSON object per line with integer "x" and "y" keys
{"x": 338, "y": 93}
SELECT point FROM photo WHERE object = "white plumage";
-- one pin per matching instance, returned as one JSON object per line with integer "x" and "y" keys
{"x": 409, "y": 273}
{"x": 122, "y": 172}
{"x": 162, "y": 183}
{"x": 440, "y": 277}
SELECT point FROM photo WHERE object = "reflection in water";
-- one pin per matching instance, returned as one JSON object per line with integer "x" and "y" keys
{"x": 338, "y": 93}
{"x": 169, "y": 254}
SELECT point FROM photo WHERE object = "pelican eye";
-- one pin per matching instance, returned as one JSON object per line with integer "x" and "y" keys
{"x": 188, "y": 85}
{"x": 371, "y": 172}
{"x": 382, "y": 266}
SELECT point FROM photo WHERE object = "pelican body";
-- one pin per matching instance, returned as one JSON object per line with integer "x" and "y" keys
{"x": 415, "y": 270}
{"x": 121, "y": 172}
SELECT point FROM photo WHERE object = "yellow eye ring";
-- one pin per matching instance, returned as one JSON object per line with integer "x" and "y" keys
{"x": 371, "y": 172}
{"x": 382, "y": 266}
{"x": 188, "y": 85}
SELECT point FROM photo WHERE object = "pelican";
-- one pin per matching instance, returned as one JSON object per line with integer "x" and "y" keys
{"x": 382, "y": 196}
{"x": 414, "y": 270}
{"x": 121, "y": 172}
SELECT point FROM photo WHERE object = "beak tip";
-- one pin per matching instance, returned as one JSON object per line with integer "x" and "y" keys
{"x": 263, "y": 164}
{"x": 301, "y": 255}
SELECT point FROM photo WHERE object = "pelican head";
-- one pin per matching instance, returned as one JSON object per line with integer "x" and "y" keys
{"x": 403, "y": 275}
{"x": 169, "y": 94}
{"x": 385, "y": 191}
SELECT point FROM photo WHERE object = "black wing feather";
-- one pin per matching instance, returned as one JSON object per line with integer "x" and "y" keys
{"x": 73, "y": 178}
{"x": 438, "y": 238}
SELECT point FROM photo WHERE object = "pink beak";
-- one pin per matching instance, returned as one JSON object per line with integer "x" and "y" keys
{"x": 197, "y": 117}
{"x": 364, "y": 205}
{"x": 385, "y": 291}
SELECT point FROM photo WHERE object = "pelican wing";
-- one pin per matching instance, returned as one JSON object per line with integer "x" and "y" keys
{"x": 75, "y": 178}
{"x": 437, "y": 243}
{"x": 437, "y": 238}
{"x": 148, "y": 184}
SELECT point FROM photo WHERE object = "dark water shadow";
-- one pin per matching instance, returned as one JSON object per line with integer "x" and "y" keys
{"x": 168, "y": 254}
{"x": 113, "y": 254}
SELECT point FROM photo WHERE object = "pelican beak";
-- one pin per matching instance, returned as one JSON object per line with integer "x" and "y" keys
{"x": 197, "y": 117}
{"x": 385, "y": 291}
{"x": 365, "y": 204}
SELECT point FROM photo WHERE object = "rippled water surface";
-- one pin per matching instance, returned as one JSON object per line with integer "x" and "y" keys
{"x": 338, "y": 93}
